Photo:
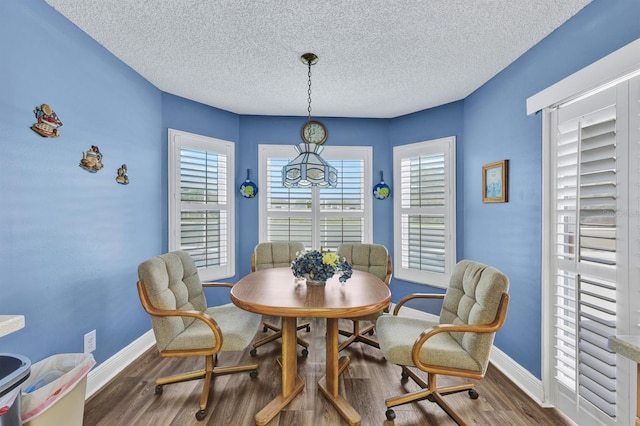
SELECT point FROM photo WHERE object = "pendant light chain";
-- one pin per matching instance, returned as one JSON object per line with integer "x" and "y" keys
{"x": 309, "y": 92}
{"x": 309, "y": 169}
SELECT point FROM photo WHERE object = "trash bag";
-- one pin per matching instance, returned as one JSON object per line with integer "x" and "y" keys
{"x": 7, "y": 400}
{"x": 51, "y": 379}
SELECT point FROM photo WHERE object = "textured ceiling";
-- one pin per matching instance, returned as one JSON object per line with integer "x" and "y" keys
{"x": 377, "y": 58}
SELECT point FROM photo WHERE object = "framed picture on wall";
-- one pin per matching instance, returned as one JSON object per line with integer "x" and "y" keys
{"x": 495, "y": 182}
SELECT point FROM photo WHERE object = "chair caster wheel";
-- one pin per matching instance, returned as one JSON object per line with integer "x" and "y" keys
{"x": 404, "y": 375}
{"x": 391, "y": 415}
{"x": 253, "y": 374}
{"x": 253, "y": 352}
{"x": 305, "y": 352}
{"x": 264, "y": 329}
{"x": 370, "y": 332}
{"x": 200, "y": 415}
{"x": 158, "y": 389}
{"x": 308, "y": 329}
{"x": 473, "y": 394}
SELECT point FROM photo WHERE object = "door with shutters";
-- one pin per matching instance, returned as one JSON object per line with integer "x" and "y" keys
{"x": 588, "y": 262}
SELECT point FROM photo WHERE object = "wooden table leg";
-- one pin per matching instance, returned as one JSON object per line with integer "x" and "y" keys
{"x": 330, "y": 382}
{"x": 292, "y": 384}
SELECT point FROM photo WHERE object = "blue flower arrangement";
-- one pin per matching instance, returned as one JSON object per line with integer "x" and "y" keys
{"x": 318, "y": 265}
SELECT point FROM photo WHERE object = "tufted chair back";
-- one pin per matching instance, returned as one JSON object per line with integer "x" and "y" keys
{"x": 275, "y": 254}
{"x": 172, "y": 283}
{"x": 473, "y": 297}
{"x": 372, "y": 258}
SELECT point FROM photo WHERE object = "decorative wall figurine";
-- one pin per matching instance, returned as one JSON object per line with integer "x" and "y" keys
{"x": 48, "y": 122}
{"x": 381, "y": 191}
{"x": 248, "y": 189}
{"x": 91, "y": 160}
{"x": 122, "y": 177}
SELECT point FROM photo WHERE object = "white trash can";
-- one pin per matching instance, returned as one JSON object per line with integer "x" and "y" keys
{"x": 54, "y": 394}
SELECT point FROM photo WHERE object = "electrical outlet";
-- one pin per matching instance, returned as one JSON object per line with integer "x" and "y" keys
{"x": 90, "y": 342}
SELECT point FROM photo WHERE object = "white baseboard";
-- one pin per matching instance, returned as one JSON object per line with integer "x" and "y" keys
{"x": 104, "y": 372}
{"x": 107, "y": 370}
{"x": 520, "y": 376}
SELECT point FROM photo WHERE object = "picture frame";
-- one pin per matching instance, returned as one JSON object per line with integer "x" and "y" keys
{"x": 495, "y": 182}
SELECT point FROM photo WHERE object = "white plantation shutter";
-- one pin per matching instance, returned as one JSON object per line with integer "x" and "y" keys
{"x": 591, "y": 237}
{"x": 290, "y": 217}
{"x": 317, "y": 217}
{"x": 201, "y": 202}
{"x": 633, "y": 292}
{"x": 424, "y": 175}
{"x": 342, "y": 209}
{"x": 589, "y": 258}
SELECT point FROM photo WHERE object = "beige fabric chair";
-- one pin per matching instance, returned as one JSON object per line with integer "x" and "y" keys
{"x": 473, "y": 309}
{"x": 375, "y": 259}
{"x": 171, "y": 292}
{"x": 277, "y": 254}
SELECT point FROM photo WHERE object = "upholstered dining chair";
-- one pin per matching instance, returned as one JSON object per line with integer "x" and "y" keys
{"x": 277, "y": 254}
{"x": 474, "y": 308}
{"x": 171, "y": 292}
{"x": 375, "y": 259}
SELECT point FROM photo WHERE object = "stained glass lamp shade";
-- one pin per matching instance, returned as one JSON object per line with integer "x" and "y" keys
{"x": 309, "y": 169}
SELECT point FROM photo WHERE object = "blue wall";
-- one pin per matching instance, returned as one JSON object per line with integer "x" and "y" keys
{"x": 70, "y": 241}
{"x": 496, "y": 127}
{"x": 285, "y": 130}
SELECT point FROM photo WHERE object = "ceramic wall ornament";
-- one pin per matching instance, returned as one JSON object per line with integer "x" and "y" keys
{"x": 48, "y": 122}
{"x": 248, "y": 189}
{"x": 91, "y": 160}
{"x": 381, "y": 191}
{"x": 122, "y": 177}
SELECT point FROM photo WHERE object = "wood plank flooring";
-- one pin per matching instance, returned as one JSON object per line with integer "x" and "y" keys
{"x": 129, "y": 399}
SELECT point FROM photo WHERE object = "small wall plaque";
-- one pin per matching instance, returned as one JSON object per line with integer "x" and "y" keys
{"x": 495, "y": 182}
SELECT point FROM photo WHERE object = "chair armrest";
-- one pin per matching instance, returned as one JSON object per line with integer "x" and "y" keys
{"x": 415, "y": 296}
{"x": 201, "y": 316}
{"x": 492, "y": 327}
{"x": 217, "y": 285}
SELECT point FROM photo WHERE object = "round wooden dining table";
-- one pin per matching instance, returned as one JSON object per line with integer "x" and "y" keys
{"x": 277, "y": 292}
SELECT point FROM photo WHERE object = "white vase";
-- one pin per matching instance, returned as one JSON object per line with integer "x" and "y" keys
{"x": 315, "y": 282}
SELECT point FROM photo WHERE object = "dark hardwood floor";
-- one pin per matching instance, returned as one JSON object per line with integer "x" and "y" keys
{"x": 129, "y": 399}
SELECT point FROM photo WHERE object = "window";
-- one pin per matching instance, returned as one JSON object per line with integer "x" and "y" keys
{"x": 424, "y": 211}
{"x": 318, "y": 217}
{"x": 201, "y": 202}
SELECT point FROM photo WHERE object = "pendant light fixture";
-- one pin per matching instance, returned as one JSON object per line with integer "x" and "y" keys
{"x": 308, "y": 168}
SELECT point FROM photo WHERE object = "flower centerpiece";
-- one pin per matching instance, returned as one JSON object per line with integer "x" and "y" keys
{"x": 318, "y": 266}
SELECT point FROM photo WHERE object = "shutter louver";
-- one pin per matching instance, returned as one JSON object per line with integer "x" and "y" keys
{"x": 342, "y": 207}
{"x": 203, "y": 219}
{"x": 598, "y": 193}
{"x": 289, "y": 218}
{"x": 585, "y": 254}
{"x": 422, "y": 218}
{"x": 335, "y": 231}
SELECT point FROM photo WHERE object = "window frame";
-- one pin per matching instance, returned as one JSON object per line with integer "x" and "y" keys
{"x": 178, "y": 139}
{"x": 447, "y": 146}
{"x": 364, "y": 153}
